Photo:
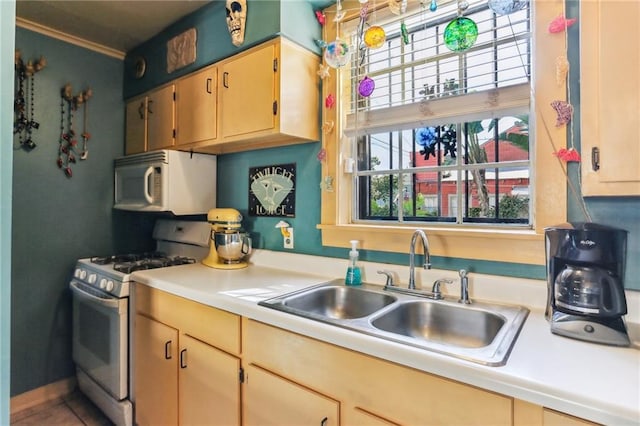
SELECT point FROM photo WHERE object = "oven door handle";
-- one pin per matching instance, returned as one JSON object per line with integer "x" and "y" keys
{"x": 110, "y": 302}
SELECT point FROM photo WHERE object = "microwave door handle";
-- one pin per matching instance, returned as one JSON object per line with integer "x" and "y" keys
{"x": 147, "y": 195}
{"x": 109, "y": 303}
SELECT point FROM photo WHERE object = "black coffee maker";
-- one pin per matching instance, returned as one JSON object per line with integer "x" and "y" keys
{"x": 585, "y": 282}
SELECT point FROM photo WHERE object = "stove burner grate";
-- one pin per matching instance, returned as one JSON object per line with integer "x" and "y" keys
{"x": 126, "y": 258}
{"x": 163, "y": 261}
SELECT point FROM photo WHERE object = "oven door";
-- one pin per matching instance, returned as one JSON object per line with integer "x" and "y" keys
{"x": 100, "y": 337}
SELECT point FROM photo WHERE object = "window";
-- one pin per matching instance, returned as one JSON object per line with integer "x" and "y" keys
{"x": 447, "y": 141}
{"x": 448, "y": 158}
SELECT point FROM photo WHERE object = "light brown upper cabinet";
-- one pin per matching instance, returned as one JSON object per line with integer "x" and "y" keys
{"x": 196, "y": 104}
{"x": 150, "y": 121}
{"x": 263, "y": 97}
{"x": 610, "y": 97}
{"x": 269, "y": 96}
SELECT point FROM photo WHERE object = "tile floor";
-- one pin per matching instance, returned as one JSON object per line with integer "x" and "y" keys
{"x": 72, "y": 410}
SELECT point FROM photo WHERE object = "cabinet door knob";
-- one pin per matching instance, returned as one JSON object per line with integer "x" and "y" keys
{"x": 149, "y": 106}
{"x": 209, "y": 85}
{"x": 225, "y": 79}
{"x": 324, "y": 421}
{"x": 141, "y": 110}
{"x": 167, "y": 349}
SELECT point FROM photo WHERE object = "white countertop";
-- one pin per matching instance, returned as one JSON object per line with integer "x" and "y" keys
{"x": 596, "y": 382}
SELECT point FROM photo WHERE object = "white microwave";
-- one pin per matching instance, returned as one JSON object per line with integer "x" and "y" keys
{"x": 166, "y": 181}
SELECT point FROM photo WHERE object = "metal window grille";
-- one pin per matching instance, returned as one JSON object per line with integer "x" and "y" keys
{"x": 421, "y": 84}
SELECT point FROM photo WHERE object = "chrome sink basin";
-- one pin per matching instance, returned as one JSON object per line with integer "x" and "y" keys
{"x": 447, "y": 324}
{"x": 480, "y": 332}
{"x": 339, "y": 302}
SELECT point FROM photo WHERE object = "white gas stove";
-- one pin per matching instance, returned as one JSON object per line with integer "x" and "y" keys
{"x": 101, "y": 314}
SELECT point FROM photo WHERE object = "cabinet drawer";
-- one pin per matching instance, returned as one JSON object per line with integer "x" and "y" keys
{"x": 213, "y": 326}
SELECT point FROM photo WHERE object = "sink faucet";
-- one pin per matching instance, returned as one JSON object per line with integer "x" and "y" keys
{"x": 412, "y": 254}
{"x": 464, "y": 287}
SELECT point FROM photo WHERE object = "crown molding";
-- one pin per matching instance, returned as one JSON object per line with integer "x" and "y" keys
{"x": 68, "y": 38}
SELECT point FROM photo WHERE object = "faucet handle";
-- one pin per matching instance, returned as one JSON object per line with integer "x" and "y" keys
{"x": 389, "y": 275}
{"x": 437, "y": 294}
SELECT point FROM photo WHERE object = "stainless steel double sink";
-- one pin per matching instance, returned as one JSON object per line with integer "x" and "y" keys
{"x": 480, "y": 332}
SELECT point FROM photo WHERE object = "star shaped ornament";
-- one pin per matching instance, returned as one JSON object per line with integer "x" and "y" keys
{"x": 323, "y": 71}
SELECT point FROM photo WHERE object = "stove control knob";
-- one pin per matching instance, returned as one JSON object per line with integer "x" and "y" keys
{"x": 110, "y": 285}
{"x": 92, "y": 278}
{"x": 83, "y": 274}
{"x": 103, "y": 283}
{"x": 76, "y": 273}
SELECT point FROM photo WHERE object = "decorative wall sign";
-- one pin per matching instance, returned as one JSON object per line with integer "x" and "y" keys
{"x": 272, "y": 190}
{"x": 181, "y": 50}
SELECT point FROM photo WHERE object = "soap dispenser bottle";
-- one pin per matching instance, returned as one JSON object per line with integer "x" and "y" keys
{"x": 354, "y": 275}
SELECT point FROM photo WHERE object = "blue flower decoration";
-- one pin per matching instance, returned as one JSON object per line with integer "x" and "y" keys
{"x": 426, "y": 136}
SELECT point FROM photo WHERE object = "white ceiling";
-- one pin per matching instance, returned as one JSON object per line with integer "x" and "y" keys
{"x": 118, "y": 25}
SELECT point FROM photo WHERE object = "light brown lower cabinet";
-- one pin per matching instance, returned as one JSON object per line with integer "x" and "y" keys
{"x": 156, "y": 381}
{"x": 372, "y": 391}
{"x": 186, "y": 366}
{"x": 271, "y": 400}
{"x": 197, "y": 365}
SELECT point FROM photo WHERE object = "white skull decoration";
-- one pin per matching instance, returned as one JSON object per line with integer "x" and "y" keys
{"x": 236, "y": 19}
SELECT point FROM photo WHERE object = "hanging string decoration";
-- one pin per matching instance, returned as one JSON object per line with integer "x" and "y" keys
{"x": 399, "y": 7}
{"x": 320, "y": 43}
{"x": 460, "y": 34}
{"x": 323, "y": 71}
{"x": 568, "y": 155}
{"x": 430, "y": 137}
{"x": 374, "y": 37}
{"x": 560, "y": 23}
{"x": 404, "y": 33}
{"x": 339, "y": 12}
{"x": 24, "y": 122}
{"x": 562, "y": 69}
{"x": 86, "y": 95}
{"x": 564, "y": 111}
{"x": 366, "y": 86}
{"x": 67, "y": 144}
{"x": 505, "y": 7}
{"x": 336, "y": 54}
{"x": 330, "y": 101}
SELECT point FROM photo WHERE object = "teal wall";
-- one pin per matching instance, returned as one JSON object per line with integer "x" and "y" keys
{"x": 265, "y": 20}
{"x": 7, "y": 34}
{"x": 233, "y": 190}
{"x": 57, "y": 220}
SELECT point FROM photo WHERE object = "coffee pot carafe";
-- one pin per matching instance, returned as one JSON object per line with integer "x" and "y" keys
{"x": 586, "y": 290}
{"x": 230, "y": 245}
{"x": 585, "y": 282}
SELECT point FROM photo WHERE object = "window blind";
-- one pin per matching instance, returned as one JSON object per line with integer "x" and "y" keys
{"x": 420, "y": 82}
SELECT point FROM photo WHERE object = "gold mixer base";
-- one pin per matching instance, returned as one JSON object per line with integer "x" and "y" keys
{"x": 219, "y": 265}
